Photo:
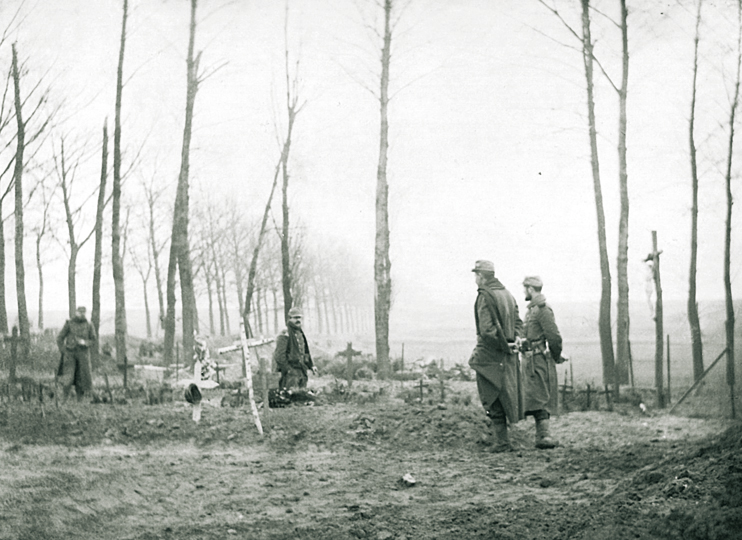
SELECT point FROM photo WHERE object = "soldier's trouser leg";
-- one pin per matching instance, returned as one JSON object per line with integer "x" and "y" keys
{"x": 67, "y": 377}
{"x": 83, "y": 379}
{"x": 499, "y": 421}
{"x": 293, "y": 378}
{"x": 543, "y": 437}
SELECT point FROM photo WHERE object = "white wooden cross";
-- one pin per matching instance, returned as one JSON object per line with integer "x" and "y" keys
{"x": 244, "y": 346}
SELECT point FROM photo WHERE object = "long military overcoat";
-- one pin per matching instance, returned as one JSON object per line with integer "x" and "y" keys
{"x": 539, "y": 368}
{"x": 498, "y": 371}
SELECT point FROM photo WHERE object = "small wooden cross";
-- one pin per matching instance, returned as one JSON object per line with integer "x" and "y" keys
{"x": 349, "y": 353}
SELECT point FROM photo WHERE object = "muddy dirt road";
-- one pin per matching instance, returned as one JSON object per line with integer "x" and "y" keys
{"x": 334, "y": 471}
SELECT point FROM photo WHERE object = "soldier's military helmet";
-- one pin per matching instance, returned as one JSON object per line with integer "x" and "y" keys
{"x": 533, "y": 281}
{"x": 193, "y": 394}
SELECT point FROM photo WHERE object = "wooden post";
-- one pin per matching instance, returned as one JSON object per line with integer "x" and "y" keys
{"x": 608, "y": 401}
{"x": 108, "y": 389}
{"x": 421, "y": 390}
{"x": 248, "y": 378}
{"x": 669, "y": 386}
{"x": 658, "y": 321}
{"x": 588, "y": 397}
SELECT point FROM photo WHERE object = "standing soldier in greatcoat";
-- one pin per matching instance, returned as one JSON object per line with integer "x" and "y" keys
{"x": 495, "y": 357}
{"x": 292, "y": 355}
{"x": 542, "y": 350}
{"x": 74, "y": 341}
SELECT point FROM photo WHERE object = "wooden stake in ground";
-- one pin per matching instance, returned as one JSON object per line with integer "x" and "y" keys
{"x": 248, "y": 377}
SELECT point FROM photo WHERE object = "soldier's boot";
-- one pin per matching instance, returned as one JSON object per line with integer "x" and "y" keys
{"x": 502, "y": 440}
{"x": 543, "y": 438}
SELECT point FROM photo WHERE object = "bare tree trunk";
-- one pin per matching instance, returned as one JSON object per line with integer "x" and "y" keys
{"x": 729, "y": 326}
{"x": 20, "y": 272}
{"x": 179, "y": 247}
{"x": 604, "y": 319}
{"x": 693, "y": 319}
{"x": 292, "y": 109}
{"x": 169, "y": 323}
{"x": 275, "y": 310}
{"x": 155, "y": 250}
{"x": 146, "y": 309}
{"x": 210, "y": 293}
{"x": 258, "y": 312}
{"x": 72, "y": 282}
{"x": 622, "y": 326}
{"x": 258, "y": 245}
{"x": 225, "y": 302}
{"x": 184, "y": 257}
{"x": 40, "y": 271}
{"x": 116, "y": 250}
{"x": 40, "y": 233}
{"x": 3, "y": 307}
{"x": 382, "y": 263}
{"x": 97, "y": 263}
{"x": 266, "y": 311}
{"x": 317, "y": 303}
{"x": 325, "y": 305}
{"x": 285, "y": 262}
{"x": 222, "y": 309}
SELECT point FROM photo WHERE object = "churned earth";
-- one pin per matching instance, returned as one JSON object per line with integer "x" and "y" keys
{"x": 334, "y": 471}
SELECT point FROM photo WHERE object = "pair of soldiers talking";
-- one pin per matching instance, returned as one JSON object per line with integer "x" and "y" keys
{"x": 509, "y": 389}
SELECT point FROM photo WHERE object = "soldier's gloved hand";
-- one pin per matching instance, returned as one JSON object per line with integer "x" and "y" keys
{"x": 514, "y": 348}
{"x": 314, "y": 370}
{"x": 562, "y": 359}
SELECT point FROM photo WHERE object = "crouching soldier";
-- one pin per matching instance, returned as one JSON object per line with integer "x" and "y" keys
{"x": 74, "y": 341}
{"x": 292, "y": 355}
{"x": 542, "y": 351}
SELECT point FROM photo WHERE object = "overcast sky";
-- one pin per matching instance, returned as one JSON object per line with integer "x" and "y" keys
{"x": 489, "y": 155}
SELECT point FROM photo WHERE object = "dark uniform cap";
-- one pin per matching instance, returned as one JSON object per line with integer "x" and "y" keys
{"x": 533, "y": 281}
{"x": 294, "y": 312}
{"x": 484, "y": 266}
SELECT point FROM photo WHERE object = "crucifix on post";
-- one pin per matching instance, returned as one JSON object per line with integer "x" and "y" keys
{"x": 654, "y": 259}
{"x": 349, "y": 353}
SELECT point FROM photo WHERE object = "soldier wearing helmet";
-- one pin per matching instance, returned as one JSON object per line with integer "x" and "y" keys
{"x": 292, "y": 356}
{"x": 542, "y": 350}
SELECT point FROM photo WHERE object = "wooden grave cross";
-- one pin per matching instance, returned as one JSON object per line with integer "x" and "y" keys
{"x": 349, "y": 353}
{"x": 244, "y": 346}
